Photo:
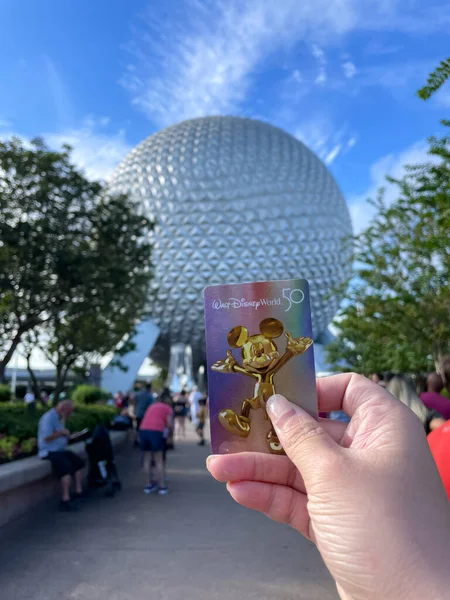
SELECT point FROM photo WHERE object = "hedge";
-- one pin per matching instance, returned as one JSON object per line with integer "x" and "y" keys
{"x": 5, "y": 393}
{"x": 18, "y": 426}
{"x": 89, "y": 394}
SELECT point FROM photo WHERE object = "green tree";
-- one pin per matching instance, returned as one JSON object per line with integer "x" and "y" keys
{"x": 396, "y": 313}
{"x": 71, "y": 256}
{"x": 435, "y": 80}
{"x": 80, "y": 338}
{"x": 28, "y": 343}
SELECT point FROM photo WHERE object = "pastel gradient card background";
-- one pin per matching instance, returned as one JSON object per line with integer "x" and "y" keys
{"x": 247, "y": 304}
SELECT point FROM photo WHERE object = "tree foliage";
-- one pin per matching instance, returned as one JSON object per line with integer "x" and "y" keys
{"x": 89, "y": 394}
{"x": 435, "y": 80}
{"x": 75, "y": 262}
{"x": 396, "y": 314}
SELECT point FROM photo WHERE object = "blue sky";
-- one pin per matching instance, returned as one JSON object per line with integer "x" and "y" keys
{"x": 340, "y": 75}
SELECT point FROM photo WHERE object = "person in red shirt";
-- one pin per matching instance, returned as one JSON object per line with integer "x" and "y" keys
{"x": 158, "y": 419}
{"x": 433, "y": 399}
{"x": 439, "y": 442}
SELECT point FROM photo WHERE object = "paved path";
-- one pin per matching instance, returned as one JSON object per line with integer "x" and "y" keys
{"x": 195, "y": 543}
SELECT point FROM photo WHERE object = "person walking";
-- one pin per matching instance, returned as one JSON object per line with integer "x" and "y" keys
{"x": 402, "y": 387}
{"x": 118, "y": 400}
{"x": 157, "y": 420}
{"x": 181, "y": 408}
{"x": 166, "y": 397}
{"x": 201, "y": 417}
{"x": 30, "y": 401}
{"x": 433, "y": 398}
{"x": 378, "y": 378}
{"x": 194, "y": 398}
{"x": 143, "y": 399}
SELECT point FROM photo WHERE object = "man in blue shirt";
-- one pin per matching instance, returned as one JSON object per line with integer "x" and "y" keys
{"x": 143, "y": 400}
{"x": 53, "y": 439}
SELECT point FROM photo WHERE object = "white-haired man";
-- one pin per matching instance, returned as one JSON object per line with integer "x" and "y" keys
{"x": 194, "y": 399}
{"x": 53, "y": 438}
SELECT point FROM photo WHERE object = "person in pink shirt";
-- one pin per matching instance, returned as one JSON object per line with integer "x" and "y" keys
{"x": 157, "y": 420}
{"x": 433, "y": 399}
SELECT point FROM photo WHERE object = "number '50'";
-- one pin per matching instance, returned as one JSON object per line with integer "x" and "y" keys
{"x": 293, "y": 297}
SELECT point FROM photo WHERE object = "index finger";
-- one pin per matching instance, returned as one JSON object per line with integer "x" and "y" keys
{"x": 347, "y": 392}
{"x": 255, "y": 466}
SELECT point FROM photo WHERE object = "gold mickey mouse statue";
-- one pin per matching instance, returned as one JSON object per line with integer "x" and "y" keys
{"x": 261, "y": 360}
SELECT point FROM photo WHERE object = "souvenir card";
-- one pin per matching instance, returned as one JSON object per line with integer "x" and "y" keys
{"x": 259, "y": 342}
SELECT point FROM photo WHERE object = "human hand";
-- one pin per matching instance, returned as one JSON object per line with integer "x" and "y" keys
{"x": 297, "y": 345}
{"x": 227, "y": 365}
{"x": 367, "y": 493}
{"x": 65, "y": 433}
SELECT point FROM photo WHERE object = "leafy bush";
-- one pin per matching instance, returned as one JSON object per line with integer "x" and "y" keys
{"x": 5, "y": 393}
{"x": 8, "y": 446}
{"x": 18, "y": 425}
{"x": 19, "y": 421}
{"x": 89, "y": 394}
{"x": 28, "y": 446}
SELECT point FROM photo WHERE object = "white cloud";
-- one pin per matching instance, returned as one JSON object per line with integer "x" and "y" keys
{"x": 392, "y": 164}
{"x": 378, "y": 49}
{"x": 319, "y": 55}
{"x": 349, "y": 69}
{"x": 442, "y": 98}
{"x": 203, "y": 60}
{"x": 58, "y": 93}
{"x": 95, "y": 150}
{"x": 406, "y": 17}
{"x": 332, "y": 154}
{"x": 319, "y": 134}
{"x": 397, "y": 75}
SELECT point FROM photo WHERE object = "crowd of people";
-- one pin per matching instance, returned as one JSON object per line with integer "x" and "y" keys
{"x": 156, "y": 422}
{"x": 431, "y": 406}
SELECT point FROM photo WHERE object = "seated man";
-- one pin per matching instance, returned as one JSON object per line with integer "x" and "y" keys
{"x": 53, "y": 439}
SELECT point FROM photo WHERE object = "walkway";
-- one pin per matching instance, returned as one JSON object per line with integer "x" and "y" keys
{"x": 193, "y": 544}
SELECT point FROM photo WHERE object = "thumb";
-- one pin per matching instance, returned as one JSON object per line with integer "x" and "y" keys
{"x": 305, "y": 442}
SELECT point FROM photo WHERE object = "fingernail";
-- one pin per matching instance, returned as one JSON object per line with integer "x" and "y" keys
{"x": 280, "y": 409}
{"x": 210, "y": 459}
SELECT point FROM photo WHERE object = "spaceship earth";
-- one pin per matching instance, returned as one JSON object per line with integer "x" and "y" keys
{"x": 234, "y": 200}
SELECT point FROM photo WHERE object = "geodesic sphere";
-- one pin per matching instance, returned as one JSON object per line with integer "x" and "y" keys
{"x": 235, "y": 200}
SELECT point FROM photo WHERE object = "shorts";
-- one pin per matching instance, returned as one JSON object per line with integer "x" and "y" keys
{"x": 65, "y": 462}
{"x": 152, "y": 441}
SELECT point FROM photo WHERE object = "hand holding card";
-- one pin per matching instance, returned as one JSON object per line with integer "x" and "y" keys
{"x": 238, "y": 405}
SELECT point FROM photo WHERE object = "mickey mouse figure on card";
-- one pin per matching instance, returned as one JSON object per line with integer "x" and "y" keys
{"x": 259, "y": 342}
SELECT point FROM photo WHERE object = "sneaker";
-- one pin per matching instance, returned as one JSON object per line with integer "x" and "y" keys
{"x": 163, "y": 491}
{"x": 80, "y": 496}
{"x": 67, "y": 506}
{"x": 151, "y": 488}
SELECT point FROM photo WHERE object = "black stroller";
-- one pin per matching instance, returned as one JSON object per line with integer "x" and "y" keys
{"x": 102, "y": 469}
